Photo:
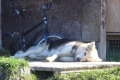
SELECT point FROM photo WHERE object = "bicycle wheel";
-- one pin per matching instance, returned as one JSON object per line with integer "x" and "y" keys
{"x": 51, "y": 36}
{"x": 8, "y": 43}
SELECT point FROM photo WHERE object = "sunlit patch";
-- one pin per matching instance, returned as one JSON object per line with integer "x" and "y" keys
{"x": 68, "y": 52}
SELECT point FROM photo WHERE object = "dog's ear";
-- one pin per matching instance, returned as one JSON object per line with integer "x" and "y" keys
{"x": 91, "y": 45}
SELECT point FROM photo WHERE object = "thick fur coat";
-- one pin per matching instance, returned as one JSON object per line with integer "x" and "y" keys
{"x": 63, "y": 50}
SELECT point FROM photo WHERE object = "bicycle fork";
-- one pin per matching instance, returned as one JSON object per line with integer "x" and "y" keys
{"x": 45, "y": 29}
{"x": 23, "y": 45}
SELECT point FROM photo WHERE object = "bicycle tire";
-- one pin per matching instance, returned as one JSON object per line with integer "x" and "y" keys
{"x": 50, "y": 36}
{"x": 8, "y": 43}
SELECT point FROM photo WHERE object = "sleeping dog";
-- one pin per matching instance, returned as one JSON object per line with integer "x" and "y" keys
{"x": 63, "y": 50}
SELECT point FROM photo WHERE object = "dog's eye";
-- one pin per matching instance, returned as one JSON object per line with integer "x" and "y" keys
{"x": 84, "y": 53}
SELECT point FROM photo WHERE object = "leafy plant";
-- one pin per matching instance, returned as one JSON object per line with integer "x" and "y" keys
{"x": 13, "y": 69}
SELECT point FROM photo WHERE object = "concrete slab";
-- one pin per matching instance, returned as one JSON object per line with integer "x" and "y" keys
{"x": 64, "y": 67}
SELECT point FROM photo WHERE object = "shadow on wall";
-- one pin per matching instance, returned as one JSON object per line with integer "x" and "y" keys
{"x": 73, "y": 18}
{"x": 64, "y": 17}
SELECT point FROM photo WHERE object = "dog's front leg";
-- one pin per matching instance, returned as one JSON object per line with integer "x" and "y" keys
{"x": 51, "y": 58}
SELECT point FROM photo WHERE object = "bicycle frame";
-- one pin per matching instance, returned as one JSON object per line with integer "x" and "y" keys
{"x": 44, "y": 29}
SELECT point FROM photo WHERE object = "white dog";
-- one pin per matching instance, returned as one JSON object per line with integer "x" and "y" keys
{"x": 62, "y": 50}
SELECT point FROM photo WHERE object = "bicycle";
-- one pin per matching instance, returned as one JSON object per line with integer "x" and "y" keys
{"x": 18, "y": 40}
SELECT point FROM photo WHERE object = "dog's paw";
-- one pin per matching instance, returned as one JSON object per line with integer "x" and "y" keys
{"x": 18, "y": 54}
{"x": 12, "y": 56}
{"x": 49, "y": 59}
{"x": 99, "y": 60}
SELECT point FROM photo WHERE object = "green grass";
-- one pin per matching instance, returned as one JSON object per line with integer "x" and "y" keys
{"x": 106, "y": 74}
{"x": 11, "y": 69}
{"x": 12, "y": 63}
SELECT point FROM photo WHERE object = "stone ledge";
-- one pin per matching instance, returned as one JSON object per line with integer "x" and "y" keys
{"x": 70, "y": 66}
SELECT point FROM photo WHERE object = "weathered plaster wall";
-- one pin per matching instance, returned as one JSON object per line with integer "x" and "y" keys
{"x": 91, "y": 20}
{"x": 113, "y": 16}
{"x": 76, "y": 19}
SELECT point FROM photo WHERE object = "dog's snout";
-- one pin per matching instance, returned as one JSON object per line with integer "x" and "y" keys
{"x": 78, "y": 59}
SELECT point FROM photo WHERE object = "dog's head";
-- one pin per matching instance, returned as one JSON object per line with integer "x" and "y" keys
{"x": 87, "y": 53}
